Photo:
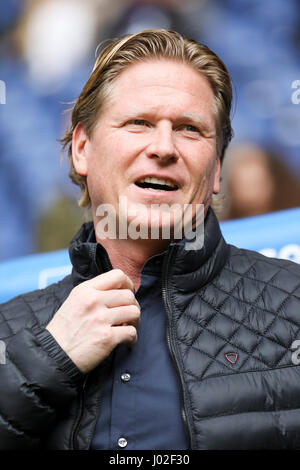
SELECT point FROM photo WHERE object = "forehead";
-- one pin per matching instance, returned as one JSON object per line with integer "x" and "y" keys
{"x": 171, "y": 81}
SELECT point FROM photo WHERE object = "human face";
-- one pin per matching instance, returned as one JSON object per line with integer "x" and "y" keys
{"x": 158, "y": 121}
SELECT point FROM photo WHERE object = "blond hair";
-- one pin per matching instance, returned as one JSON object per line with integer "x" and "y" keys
{"x": 133, "y": 48}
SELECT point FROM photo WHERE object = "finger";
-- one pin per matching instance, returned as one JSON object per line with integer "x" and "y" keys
{"x": 114, "y": 279}
{"x": 129, "y": 314}
{"x": 119, "y": 297}
{"x": 124, "y": 334}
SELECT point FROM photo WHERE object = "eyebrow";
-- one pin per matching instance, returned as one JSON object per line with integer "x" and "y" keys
{"x": 191, "y": 116}
{"x": 194, "y": 116}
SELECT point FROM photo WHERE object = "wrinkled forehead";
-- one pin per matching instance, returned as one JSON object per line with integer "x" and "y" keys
{"x": 167, "y": 78}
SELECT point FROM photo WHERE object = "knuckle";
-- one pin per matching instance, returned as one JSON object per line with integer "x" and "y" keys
{"x": 91, "y": 300}
{"x": 130, "y": 296}
{"x": 136, "y": 311}
{"x": 121, "y": 277}
{"x": 119, "y": 273}
{"x": 132, "y": 333}
{"x": 106, "y": 336}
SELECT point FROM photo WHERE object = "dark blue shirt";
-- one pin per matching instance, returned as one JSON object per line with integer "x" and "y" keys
{"x": 140, "y": 405}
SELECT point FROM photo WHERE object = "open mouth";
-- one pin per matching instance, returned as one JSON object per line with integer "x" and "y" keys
{"x": 156, "y": 184}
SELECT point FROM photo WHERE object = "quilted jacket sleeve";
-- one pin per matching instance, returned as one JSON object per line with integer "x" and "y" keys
{"x": 37, "y": 381}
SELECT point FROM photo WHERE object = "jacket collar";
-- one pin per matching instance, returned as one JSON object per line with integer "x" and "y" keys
{"x": 194, "y": 267}
{"x": 88, "y": 257}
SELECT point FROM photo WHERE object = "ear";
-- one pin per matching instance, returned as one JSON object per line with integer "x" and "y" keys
{"x": 216, "y": 187}
{"x": 79, "y": 149}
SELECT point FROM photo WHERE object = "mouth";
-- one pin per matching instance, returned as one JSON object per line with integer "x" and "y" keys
{"x": 156, "y": 184}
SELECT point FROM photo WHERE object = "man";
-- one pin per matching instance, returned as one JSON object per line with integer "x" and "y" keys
{"x": 150, "y": 344}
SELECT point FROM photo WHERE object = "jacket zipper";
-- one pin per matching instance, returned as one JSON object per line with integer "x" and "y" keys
{"x": 171, "y": 345}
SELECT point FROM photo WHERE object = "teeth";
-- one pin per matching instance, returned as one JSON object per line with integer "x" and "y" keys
{"x": 152, "y": 179}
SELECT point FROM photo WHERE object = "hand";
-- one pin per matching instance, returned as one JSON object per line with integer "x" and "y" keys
{"x": 98, "y": 315}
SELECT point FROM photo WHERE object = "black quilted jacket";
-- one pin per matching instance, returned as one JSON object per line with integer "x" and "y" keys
{"x": 233, "y": 316}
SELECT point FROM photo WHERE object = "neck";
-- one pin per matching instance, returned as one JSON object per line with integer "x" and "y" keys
{"x": 130, "y": 255}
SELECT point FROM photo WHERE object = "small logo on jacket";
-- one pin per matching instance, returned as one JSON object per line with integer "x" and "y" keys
{"x": 2, "y": 352}
{"x": 296, "y": 354}
{"x": 232, "y": 357}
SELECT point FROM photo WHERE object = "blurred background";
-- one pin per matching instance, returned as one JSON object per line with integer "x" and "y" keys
{"x": 47, "y": 50}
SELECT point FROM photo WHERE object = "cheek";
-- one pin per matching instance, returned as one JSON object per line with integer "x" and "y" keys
{"x": 205, "y": 178}
{"x": 99, "y": 158}
{"x": 114, "y": 152}
{"x": 204, "y": 171}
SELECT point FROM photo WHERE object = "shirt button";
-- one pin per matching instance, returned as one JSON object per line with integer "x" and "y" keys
{"x": 122, "y": 442}
{"x": 125, "y": 377}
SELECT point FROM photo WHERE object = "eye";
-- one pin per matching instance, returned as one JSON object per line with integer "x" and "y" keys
{"x": 189, "y": 131}
{"x": 190, "y": 128}
{"x": 137, "y": 125}
{"x": 137, "y": 122}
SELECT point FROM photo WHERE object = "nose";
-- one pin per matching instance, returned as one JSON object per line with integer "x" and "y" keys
{"x": 162, "y": 143}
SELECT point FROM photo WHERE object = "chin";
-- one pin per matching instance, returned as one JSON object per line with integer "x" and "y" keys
{"x": 156, "y": 226}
